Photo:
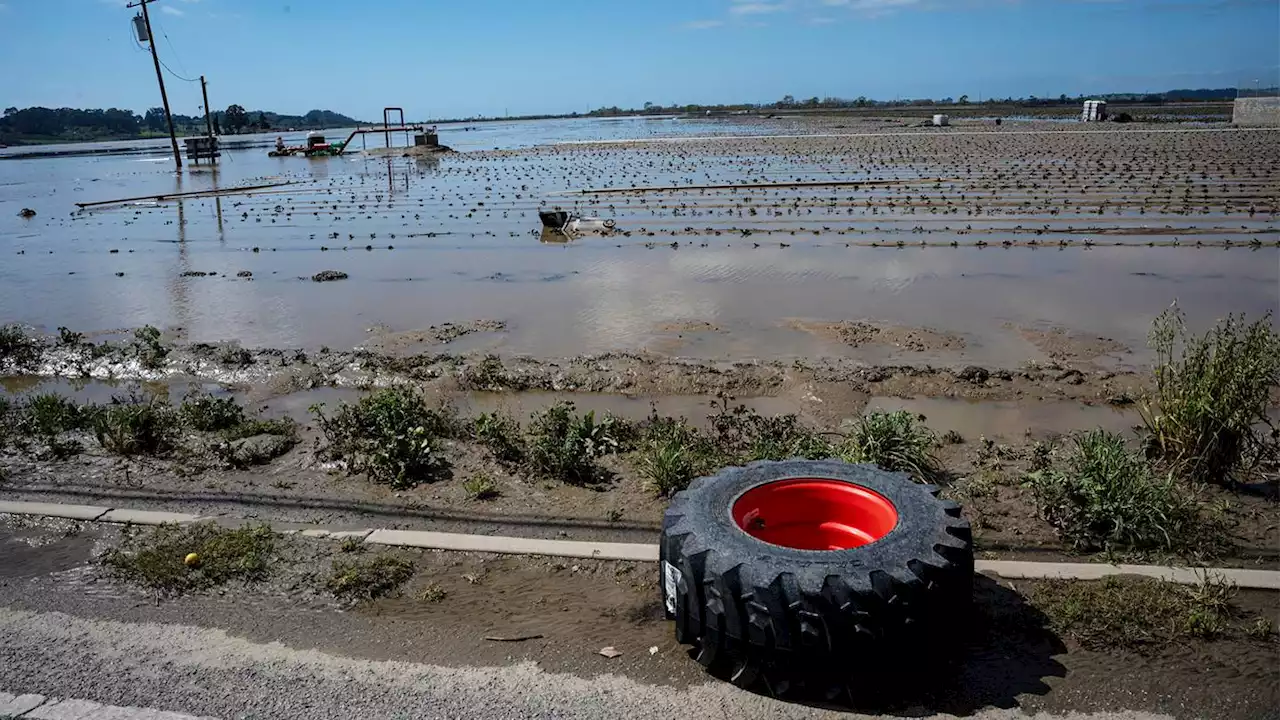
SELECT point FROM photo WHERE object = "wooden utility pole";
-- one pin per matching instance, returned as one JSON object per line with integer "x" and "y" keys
{"x": 164, "y": 96}
{"x": 204, "y": 90}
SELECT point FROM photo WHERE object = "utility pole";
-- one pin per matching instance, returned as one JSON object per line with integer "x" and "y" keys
{"x": 164, "y": 96}
{"x": 204, "y": 90}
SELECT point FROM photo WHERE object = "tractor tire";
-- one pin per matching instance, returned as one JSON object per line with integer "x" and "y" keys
{"x": 813, "y": 566}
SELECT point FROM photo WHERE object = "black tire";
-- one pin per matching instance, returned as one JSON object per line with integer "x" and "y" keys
{"x": 749, "y": 606}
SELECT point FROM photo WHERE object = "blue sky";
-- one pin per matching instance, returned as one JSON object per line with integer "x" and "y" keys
{"x": 467, "y": 57}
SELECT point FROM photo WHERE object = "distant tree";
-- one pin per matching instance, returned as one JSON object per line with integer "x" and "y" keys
{"x": 154, "y": 119}
{"x": 10, "y": 111}
{"x": 262, "y": 122}
{"x": 787, "y": 101}
{"x": 1063, "y": 99}
{"x": 648, "y": 106}
{"x": 861, "y": 101}
{"x": 217, "y": 127}
{"x": 964, "y": 99}
{"x": 236, "y": 118}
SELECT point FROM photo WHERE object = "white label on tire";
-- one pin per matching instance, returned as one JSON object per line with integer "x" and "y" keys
{"x": 670, "y": 580}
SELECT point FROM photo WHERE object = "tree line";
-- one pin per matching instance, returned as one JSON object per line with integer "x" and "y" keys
{"x": 41, "y": 124}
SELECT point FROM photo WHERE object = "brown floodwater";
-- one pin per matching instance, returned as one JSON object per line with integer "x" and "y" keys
{"x": 456, "y": 238}
{"x": 1009, "y": 420}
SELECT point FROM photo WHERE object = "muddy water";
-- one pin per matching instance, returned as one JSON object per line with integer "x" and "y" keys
{"x": 85, "y": 390}
{"x": 455, "y": 238}
{"x": 1009, "y": 420}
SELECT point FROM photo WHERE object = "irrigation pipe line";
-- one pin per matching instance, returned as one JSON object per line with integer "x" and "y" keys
{"x": 636, "y": 552}
{"x": 191, "y": 193}
{"x": 755, "y": 186}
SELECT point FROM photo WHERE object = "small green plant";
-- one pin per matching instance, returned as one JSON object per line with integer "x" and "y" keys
{"x": 50, "y": 414}
{"x": 390, "y": 436}
{"x": 480, "y": 487}
{"x": 672, "y": 454}
{"x": 236, "y": 357}
{"x": 564, "y": 445}
{"x": 1211, "y": 397}
{"x": 351, "y": 545}
{"x": 205, "y": 412}
{"x": 951, "y": 437}
{"x": 1107, "y": 497}
{"x": 500, "y": 433}
{"x": 18, "y": 348}
{"x": 157, "y": 559}
{"x": 69, "y": 339}
{"x": 742, "y": 435}
{"x": 284, "y": 427}
{"x": 148, "y": 348}
{"x": 895, "y": 441}
{"x": 432, "y": 594}
{"x": 368, "y": 578}
{"x": 1139, "y": 614}
{"x": 137, "y": 427}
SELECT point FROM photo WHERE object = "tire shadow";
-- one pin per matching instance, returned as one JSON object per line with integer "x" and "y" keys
{"x": 1005, "y": 649}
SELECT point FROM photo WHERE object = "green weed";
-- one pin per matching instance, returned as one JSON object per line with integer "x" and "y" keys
{"x": 564, "y": 445}
{"x": 18, "y": 348}
{"x": 157, "y": 559}
{"x": 1107, "y": 497}
{"x": 148, "y": 348}
{"x": 480, "y": 487}
{"x": 368, "y": 579}
{"x": 672, "y": 454}
{"x": 1138, "y": 614}
{"x": 208, "y": 413}
{"x": 742, "y": 435}
{"x": 500, "y": 433}
{"x": 1211, "y": 397}
{"x": 896, "y": 441}
{"x": 137, "y": 427}
{"x": 390, "y": 436}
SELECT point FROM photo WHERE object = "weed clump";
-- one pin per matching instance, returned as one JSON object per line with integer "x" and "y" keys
{"x": 896, "y": 441}
{"x": 47, "y": 416}
{"x": 19, "y": 349}
{"x": 1139, "y": 614}
{"x": 207, "y": 413}
{"x": 137, "y": 427}
{"x": 390, "y": 436}
{"x": 368, "y": 579}
{"x": 148, "y": 348}
{"x": 500, "y": 433}
{"x": 672, "y": 454}
{"x": 1107, "y": 497}
{"x": 742, "y": 435}
{"x": 564, "y": 445}
{"x": 1211, "y": 397}
{"x": 480, "y": 487}
{"x": 157, "y": 559}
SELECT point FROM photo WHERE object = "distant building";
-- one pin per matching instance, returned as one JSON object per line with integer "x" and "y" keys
{"x": 941, "y": 121}
{"x": 1094, "y": 111}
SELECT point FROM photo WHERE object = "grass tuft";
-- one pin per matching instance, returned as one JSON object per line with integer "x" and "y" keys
{"x": 1106, "y": 496}
{"x": 1140, "y": 614}
{"x": 390, "y": 436}
{"x": 1211, "y": 397}
{"x": 156, "y": 559}
{"x": 203, "y": 411}
{"x": 137, "y": 427}
{"x": 368, "y": 578}
{"x": 148, "y": 348}
{"x": 672, "y": 454}
{"x": 500, "y": 433}
{"x": 895, "y": 441}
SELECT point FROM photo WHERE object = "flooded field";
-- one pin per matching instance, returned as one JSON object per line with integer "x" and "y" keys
{"x": 962, "y": 246}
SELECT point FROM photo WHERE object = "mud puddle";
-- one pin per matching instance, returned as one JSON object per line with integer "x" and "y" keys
{"x": 1008, "y": 419}
{"x": 31, "y": 547}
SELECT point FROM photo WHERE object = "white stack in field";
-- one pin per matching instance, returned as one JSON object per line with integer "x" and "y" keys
{"x": 1094, "y": 111}
{"x": 941, "y": 121}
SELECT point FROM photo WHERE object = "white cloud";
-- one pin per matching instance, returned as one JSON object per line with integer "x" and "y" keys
{"x": 755, "y": 8}
{"x": 171, "y": 10}
{"x": 702, "y": 24}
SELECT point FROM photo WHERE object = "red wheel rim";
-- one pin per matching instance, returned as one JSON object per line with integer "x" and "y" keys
{"x": 814, "y": 514}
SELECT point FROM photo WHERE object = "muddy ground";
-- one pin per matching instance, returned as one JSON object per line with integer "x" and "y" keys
{"x": 995, "y": 422}
{"x": 454, "y": 601}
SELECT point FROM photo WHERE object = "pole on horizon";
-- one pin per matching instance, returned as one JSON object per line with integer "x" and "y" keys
{"x": 164, "y": 96}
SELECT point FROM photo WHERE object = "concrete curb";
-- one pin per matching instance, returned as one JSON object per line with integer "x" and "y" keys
{"x": 636, "y": 552}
